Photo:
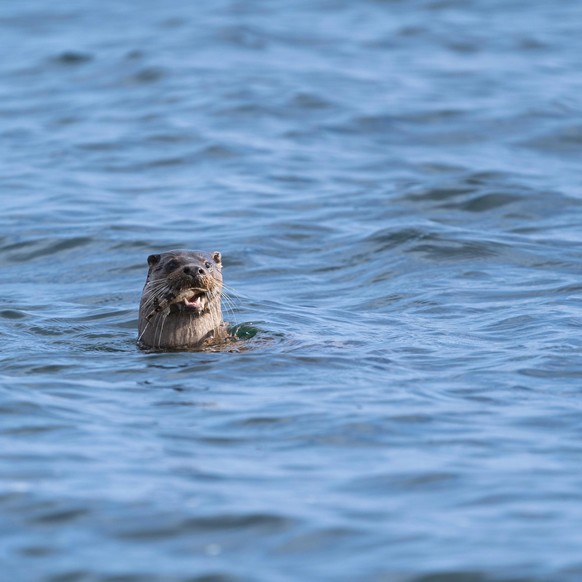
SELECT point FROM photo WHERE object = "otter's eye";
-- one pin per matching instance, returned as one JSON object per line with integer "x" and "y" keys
{"x": 172, "y": 264}
{"x": 207, "y": 265}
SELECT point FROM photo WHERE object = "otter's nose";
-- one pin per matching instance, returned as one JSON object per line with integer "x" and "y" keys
{"x": 194, "y": 271}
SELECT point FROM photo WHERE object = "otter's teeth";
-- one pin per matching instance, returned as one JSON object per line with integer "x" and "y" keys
{"x": 194, "y": 302}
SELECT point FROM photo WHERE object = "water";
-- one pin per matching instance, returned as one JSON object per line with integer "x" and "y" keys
{"x": 395, "y": 188}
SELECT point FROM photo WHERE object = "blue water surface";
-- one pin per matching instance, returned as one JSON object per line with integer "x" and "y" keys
{"x": 395, "y": 187}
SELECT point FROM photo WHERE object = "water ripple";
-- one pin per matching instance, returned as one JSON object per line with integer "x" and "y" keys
{"x": 395, "y": 191}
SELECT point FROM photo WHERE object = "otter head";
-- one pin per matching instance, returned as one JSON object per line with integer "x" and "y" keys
{"x": 185, "y": 281}
{"x": 180, "y": 303}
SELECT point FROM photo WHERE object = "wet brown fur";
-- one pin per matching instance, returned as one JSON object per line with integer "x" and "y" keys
{"x": 166, "y": 318}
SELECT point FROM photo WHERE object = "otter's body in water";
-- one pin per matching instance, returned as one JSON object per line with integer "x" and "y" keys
{"x": 180, "y": 305}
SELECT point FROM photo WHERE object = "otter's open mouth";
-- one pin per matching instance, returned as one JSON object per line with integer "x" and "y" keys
{"x": 193, "y": 301}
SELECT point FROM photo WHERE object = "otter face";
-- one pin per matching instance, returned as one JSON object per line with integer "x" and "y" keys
{"x": 182, "y": 281}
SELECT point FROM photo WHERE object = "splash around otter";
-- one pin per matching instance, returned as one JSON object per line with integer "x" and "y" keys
{"x": 180, "y": 305}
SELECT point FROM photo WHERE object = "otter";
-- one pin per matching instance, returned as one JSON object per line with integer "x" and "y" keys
{"x": 180, "y": 305}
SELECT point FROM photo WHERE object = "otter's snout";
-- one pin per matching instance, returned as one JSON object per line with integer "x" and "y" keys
{"x": 194, "y": 271}
{"x": 196, "y": 275}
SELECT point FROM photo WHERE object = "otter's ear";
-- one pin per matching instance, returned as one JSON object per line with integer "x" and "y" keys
{"x": 153, "y": 260}
{"x": 217, "y": 258}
